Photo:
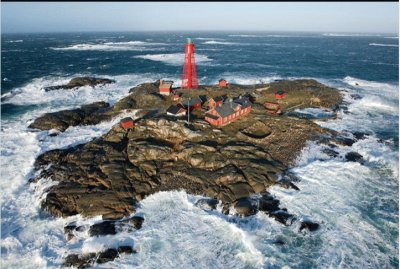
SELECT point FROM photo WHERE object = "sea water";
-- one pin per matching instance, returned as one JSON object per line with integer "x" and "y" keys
{"x": 356, "y": 204}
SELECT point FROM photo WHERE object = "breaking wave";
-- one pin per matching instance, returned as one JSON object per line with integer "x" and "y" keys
{"x": 349, "y": 35}
{"x": 112, "y": 46}
{"x": 245, "y": 35}
{"x": 166, "y": 238}
{"x": 315, "y": 113}
{"x": 174, "y": 58}
{"x": 384, "y": 45}
{"x": 371, "y": 84}
{"x": 15, "y": 41}
{"x": 209, "y": 38}
{"x": 214, "y": 42}
{"x": 33, "y": 92}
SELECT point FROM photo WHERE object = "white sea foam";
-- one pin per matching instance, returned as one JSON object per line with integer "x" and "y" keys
{"x": 166, "y": 240}
{"x": 315, "y": 112}
{"x": 33, "y": 93}
{"x": 349, "y": 35}
{"x": 22, "y": 222}
{"x": 371, "y": 85}
{"x": 384, "y": 45}
{"x": 214, "y": 42}
{"x": 376, "y": 111}
{"x": 333, "y": 188}
{"x": 15, "y": 41}
{"x": 113, "y": 46}
{"x": 174, "y": 58}
{"x": 209, "y": 38}
{"x": 266, "y": 35}
{"x": 245, "y": 35}
{"x": 391, "y": 37}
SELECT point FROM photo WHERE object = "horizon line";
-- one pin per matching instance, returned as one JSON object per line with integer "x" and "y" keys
{"x": 188, "y": 30}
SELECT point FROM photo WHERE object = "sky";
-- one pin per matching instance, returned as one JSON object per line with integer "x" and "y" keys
{"x": 352, "y": 17}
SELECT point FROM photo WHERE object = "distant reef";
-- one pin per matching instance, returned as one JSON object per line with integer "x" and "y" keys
{"x": 80, "y": 82}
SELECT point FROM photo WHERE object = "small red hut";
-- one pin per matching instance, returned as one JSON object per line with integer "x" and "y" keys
{"x": 165, "y": 87}
{"x": 127, "y": 123}
{"x": 280, "y": 94}
{"x": 222, "y": 82}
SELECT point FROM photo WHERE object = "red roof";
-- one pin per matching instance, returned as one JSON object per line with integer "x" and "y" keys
{"x": 127, "y": 123}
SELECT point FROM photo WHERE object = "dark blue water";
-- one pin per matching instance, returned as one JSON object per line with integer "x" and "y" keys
{"x": 357, "y": 205}
{"x": 258, "y": 54}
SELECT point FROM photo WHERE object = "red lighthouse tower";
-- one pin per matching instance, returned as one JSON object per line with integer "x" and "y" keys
{"x": 189, "y": 75}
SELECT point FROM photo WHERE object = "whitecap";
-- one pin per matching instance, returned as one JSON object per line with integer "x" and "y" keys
{"x": 174, "y": 58}
{"x": 315, "y": 113}
{"x": 33, "y": 93}
{"x": 112, "y": 46}
{"x": 384, "y": 45}
{"x": 361, "y": 83}
{"x": 214, "y": 42}
{"x": 245, "y": 35}
{"x": 15, "y": 41}
{"x": 209, "y": 38}
{"x": 349, "y": 35}
{"x": 166, "y": 239}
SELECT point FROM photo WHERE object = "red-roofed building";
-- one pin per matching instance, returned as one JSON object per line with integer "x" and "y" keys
{"x": 127, "y": 123}
{"x": 280, "y": 94}
{"x": 165, "y": 87}
{"x": 228, "y": 112}
{"x": 215, "y": 101}
{"x": 222, "y": 83}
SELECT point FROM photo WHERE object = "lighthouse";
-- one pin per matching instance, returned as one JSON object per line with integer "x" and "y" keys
{"x": 189, "y": 75}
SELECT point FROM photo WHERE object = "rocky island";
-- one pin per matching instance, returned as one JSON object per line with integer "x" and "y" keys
{"x": 233, "y": 165}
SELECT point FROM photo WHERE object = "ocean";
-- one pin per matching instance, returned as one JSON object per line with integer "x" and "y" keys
{"x": 357, "y": 205}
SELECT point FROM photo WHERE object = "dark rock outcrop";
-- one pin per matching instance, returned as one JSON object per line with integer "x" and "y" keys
{"x": 103, "y": 228}
{"x": 245, "y": 207}
{"x": 106, "y": 227}
{"x": 207, "y": 204}
{"x": 90, "y": 259}
{"x": 309, "y": 225}
{"x": 360, "y": 135}
{"x": 80, "y": 82}
{"x": 330, "y": 152}
{"x": 85, "y": 115}
{"x": 345, "y": 141}
{"x": 354, "y": 157}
